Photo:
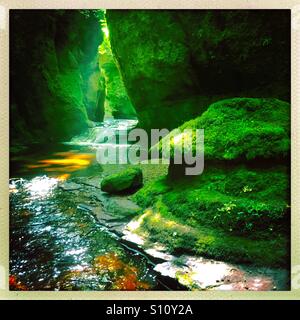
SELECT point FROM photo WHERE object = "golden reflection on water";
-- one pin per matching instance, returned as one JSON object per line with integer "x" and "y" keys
{"x": 63, "y": 177}
{"x": 65, "y": 162}
{"x": 124, "y": 276}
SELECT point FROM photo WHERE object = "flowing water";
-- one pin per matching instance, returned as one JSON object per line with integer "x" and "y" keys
{"x": 56, "y": 240}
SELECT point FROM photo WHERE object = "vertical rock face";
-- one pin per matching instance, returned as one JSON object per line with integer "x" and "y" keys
{"x": 117, "y": 103}
{"x": 55, "y": 82}
{"x": 175, "y": 63}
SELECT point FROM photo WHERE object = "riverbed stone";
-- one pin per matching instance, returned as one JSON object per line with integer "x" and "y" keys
{"x": 126, "y": 181}
{"x": 122, "y": 207}
{"x": 70, "y": 186}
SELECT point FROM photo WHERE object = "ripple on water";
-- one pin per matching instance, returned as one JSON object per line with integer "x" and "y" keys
{"x": 56, "y": 246}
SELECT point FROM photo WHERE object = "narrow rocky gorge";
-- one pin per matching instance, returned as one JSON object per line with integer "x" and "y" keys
{"x": 76, "y": 74}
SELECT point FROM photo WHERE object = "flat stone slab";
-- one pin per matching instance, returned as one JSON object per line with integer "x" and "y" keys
{"x": 204, "y": 274}
{"x": 122, "y": 206}
{"x": 133, "y": 237}
{"x": 70, "y": 186}
{"x": 153, "y": 252}
{"x": 200, "y": 273}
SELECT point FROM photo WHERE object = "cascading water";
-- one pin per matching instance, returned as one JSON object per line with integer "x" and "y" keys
{"x": 98, "y": 134}
{"x": 110, "y": 135}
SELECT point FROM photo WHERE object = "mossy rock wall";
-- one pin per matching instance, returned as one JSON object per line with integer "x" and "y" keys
{"x": 56, "y": 85}
{"x": 175, "y": 63}
{"x": 117, "y": 103}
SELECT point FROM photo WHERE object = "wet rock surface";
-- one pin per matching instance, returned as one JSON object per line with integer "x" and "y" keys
{"x": 179, "y": 272}
{"x": 198, "y": 273}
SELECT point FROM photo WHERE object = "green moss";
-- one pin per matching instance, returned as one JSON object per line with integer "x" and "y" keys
{"x": 238, "y": 129}
{"x": 69, "y": 88}
{"x": 117, "y": 102}
{"x": 169, "y": 57}
{"x": 68, "y": 106}
{"x": 238, "y": 208}
{"x": 208, "y": 242}
{"x": 235, "y": 213}
{"x": 238, "y": 200}
{"x": 55, "y": 74}
{"x": 177, "y": 236}
{"x": 127, "y": 180}
{"x": 269, "y": 252}
{"x": 146, "y": 196}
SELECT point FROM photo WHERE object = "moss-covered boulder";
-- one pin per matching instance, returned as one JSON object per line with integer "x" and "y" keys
{"x": 175, "y": 63}
{"x": 237, "y": 129}
{"x": 245, "y": 129}
{"x": 240, "y": 204}
{"x": 128, "y": 180}
{"x": 55, "y": 77}
{"x": 237, "y": 213}
{"x": 239, "y": 199}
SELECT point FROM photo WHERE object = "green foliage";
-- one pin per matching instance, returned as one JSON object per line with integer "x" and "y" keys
{"x": 54, "y": 59}
{"x": 97, "y": 13}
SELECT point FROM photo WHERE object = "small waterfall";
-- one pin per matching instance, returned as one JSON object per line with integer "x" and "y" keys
{"x": 109, "y": 137}
{"x": 99, "y": 134}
